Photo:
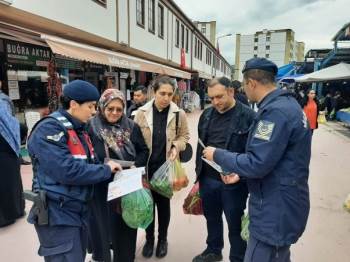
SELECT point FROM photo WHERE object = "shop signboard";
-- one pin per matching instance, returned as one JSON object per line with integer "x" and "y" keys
{"x": 27, "y": 54}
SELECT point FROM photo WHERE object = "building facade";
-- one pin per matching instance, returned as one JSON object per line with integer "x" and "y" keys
{"x": 278, "y": 46}
{"x": 208, "y": 29}
{"x": 123, "y": 41}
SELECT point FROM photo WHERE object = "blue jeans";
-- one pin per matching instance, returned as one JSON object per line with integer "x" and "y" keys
{"x": 258, "y": 251}
{"x": 217, "y": 199}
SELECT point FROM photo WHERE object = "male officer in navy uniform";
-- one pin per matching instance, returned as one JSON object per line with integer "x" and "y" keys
{"x": 275, "y": 165}
{"x": 65, "y": 170}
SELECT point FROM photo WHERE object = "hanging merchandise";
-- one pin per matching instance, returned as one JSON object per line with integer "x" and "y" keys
{"x": 54, "y": 87}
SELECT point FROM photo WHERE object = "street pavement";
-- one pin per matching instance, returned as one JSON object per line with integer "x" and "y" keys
{"x": 326, "y": 239}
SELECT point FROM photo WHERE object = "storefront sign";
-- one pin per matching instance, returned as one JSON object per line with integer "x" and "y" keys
{"x": 23, "y": 53}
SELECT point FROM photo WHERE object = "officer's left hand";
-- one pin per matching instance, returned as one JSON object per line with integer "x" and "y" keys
{"x": 208, "y": 153}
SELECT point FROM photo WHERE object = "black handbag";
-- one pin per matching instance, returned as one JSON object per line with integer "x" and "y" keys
{"x": 185, "y": 155}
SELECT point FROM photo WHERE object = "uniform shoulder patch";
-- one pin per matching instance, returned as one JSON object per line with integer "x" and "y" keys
{"x": 264, "y": 130}
{"x": 56, "y": 137}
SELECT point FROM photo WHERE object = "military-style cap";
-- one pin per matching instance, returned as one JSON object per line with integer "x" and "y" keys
{"x": 261, "y": 64}
{"x": 81, "y": 91}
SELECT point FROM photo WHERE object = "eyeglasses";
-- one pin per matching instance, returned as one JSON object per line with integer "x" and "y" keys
{"x": 114, "y": 109}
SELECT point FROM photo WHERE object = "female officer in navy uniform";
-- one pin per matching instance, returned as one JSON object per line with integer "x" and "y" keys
{"x": 64, "y": 168}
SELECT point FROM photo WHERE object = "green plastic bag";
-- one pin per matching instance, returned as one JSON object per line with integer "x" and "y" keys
{"x": 161, "y": 181}
{"x": 137, "y": 209}
{"x": 244, "y": 226}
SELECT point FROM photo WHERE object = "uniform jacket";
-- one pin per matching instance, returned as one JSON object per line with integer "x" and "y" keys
{"x": 144, "y": 118}
{"x": 56, "y": 170}
{"x": 236, "y": 136}
{"x": 276, "y": 165}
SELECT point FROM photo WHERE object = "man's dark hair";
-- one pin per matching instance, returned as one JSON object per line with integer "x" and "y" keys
{"x": 220, "y": 80}
{"x": 141, "y": 88}
{"x": 65, "y": 102}
{"x": 236, "y": 84}
{"x": 263, "y": 77}
{"x": 163, "y": 80}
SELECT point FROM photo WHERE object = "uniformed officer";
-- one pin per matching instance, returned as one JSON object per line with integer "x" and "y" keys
{"x": 276, "y": 166}
{"x": 65, "y": 170}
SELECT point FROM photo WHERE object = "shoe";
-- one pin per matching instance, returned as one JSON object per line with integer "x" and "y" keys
{"x": 25, "y": 162}
{"x": 147, "y": 250}
{"x": 207, "y": 256}
{"x": 162, "y": 248}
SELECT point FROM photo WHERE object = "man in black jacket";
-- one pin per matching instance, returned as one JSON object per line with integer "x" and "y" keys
{"x": 140, "y": 98}
{"x": 225, "y": 125}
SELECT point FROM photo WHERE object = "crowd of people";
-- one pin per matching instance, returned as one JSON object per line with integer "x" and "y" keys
{"x": 264, "y": 157}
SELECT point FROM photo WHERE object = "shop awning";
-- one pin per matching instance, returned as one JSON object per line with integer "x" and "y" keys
{"x": 106, "y": 57}
{"x": 336, "y": 72}
{"x": 204, "y": 75}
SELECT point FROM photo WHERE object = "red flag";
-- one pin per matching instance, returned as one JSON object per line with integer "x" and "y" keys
{"x": 183, "y": 58}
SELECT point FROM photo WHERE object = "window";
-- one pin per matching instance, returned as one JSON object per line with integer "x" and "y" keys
{"x": 255, "y": 56}
{"x": 140, "y": 12}
{"x": 187, "y": 36}
{"x": 268, "y": 38}
{"x": 182, "y": 36}
{"x": 267, "y": 55}
{"x": 256, "y": 39}
{"x": 195, "y": 47}
{"x": 204, "y": 30}
{"x": 101, "y": 2}
{"x": 177, "y": 33}
{"x": 151, "y": 16}
{"x": 201, "y": 52}
{"x": 267, "y": 47}
{"x": 255, "y": 48}
{"x": 160, "y": 21}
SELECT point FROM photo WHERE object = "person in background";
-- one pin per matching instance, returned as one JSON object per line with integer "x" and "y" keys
{"x": 157, "y": 120}
{"x": 239, "y": 95}
{"x": 311, "y": 107}
{"x": 113, "y": 136}
{"x": 11, "y": 189}
{"x": 22, "y": 127}
{"x": 140, "y": 98}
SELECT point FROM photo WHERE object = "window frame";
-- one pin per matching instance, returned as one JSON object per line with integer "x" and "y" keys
{"x": 177, "y": 33}
{"x": 182, "y": 36}
{"x": 102, "y": 3}
{"x": 187, "y": 40}
{"x": 142, "y": 2}
{"x": 151, "y": 16}
{"x": 160, "y": 21}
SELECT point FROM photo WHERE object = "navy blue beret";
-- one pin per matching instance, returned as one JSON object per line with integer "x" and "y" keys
{"x": 261, "y": 64}
{"x": 81, "y": 91}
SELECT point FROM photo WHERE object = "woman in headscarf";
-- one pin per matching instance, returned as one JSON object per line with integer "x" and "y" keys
{"x": 114, "y": 136}
{"x": 11, "y": 190}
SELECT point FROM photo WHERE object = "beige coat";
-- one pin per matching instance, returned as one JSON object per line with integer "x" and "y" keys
{"x": 144, "y": 118}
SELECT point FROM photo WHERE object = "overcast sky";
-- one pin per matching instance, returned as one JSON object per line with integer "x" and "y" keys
{"x": 314, "y": 22}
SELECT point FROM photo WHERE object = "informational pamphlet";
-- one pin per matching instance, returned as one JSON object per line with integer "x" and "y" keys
{"x": 125, "y": 182}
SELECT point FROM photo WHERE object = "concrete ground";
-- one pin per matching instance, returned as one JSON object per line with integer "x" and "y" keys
{"x": 326, "y": 239}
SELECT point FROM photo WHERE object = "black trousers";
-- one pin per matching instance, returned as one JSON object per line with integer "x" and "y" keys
{"x": 163, "y": 211}
{"x": 106, "y": 226}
